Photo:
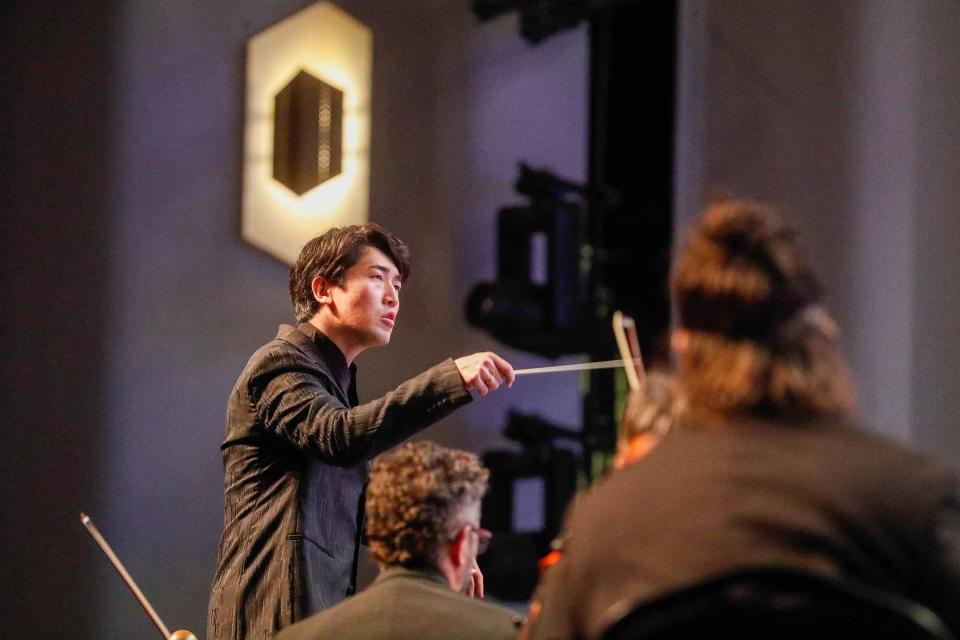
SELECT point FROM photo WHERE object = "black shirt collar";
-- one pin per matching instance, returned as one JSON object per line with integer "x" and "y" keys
{"x": 334, "y": 358}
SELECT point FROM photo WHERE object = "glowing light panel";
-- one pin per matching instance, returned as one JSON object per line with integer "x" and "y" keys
{"x": 328, "y": 44}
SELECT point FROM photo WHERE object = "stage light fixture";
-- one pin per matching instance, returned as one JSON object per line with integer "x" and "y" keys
{"x": 536, "y": 302}
{"x": 540, "y": 19}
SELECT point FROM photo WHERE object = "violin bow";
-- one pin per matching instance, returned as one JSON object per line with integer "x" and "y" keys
{"x": 180, "y": 634}
{"x": 625, "y": 331}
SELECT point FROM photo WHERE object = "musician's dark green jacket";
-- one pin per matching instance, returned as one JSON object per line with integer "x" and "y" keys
{"x": 406, "y": 603}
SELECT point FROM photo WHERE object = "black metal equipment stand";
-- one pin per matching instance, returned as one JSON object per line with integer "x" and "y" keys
{"x": 608, "y": 248}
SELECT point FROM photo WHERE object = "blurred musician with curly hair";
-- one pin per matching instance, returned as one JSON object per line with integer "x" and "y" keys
{"x": 423, "y": 525}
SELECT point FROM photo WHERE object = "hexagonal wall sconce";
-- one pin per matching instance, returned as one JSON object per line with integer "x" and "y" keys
{"x": 307, "y": 133}
{"x": 306, "y": 164}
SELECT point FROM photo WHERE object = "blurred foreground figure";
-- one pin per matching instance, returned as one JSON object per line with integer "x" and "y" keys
{"x": 649, "y": 416}
{"x": 764, "y": 466}
{"x": 423, "y": 524}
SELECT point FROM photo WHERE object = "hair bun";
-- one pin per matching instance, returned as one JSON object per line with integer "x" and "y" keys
{"x": 741, "y": 274}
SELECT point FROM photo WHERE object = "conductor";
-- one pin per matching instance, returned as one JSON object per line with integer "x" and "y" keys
{"x": 298, "y": 441}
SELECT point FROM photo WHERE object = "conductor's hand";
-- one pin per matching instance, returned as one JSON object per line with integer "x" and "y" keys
{"x": 484, "y": 372}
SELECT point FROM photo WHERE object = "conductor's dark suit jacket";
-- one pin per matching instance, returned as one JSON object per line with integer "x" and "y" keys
{"x": 822, "y": 497}
{"x": 295, "y": 466}
{"x": 406, "y": 604}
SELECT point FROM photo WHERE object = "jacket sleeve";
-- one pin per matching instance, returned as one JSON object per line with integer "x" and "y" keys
{"x": 292, "y": 398}
{"x": 940, "y": 559}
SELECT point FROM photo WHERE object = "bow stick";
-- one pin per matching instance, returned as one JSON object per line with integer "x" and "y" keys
{"x": 625, "y": 331}
{"x": 180, "y": 634}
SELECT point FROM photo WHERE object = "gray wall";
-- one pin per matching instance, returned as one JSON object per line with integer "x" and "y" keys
{"x": 847, "y": 114}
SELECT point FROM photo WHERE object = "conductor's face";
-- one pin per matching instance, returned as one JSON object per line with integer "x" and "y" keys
{"x": 366, "y": 305}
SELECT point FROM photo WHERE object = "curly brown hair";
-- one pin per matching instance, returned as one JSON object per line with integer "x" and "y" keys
{"x": 415, "y": 498}
{"x": 759, "y": 341}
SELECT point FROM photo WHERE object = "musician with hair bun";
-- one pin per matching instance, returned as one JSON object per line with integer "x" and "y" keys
{"x": 766, "y": 464}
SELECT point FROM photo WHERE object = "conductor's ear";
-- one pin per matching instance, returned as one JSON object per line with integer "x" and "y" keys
{"x": 321, "y": 290}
